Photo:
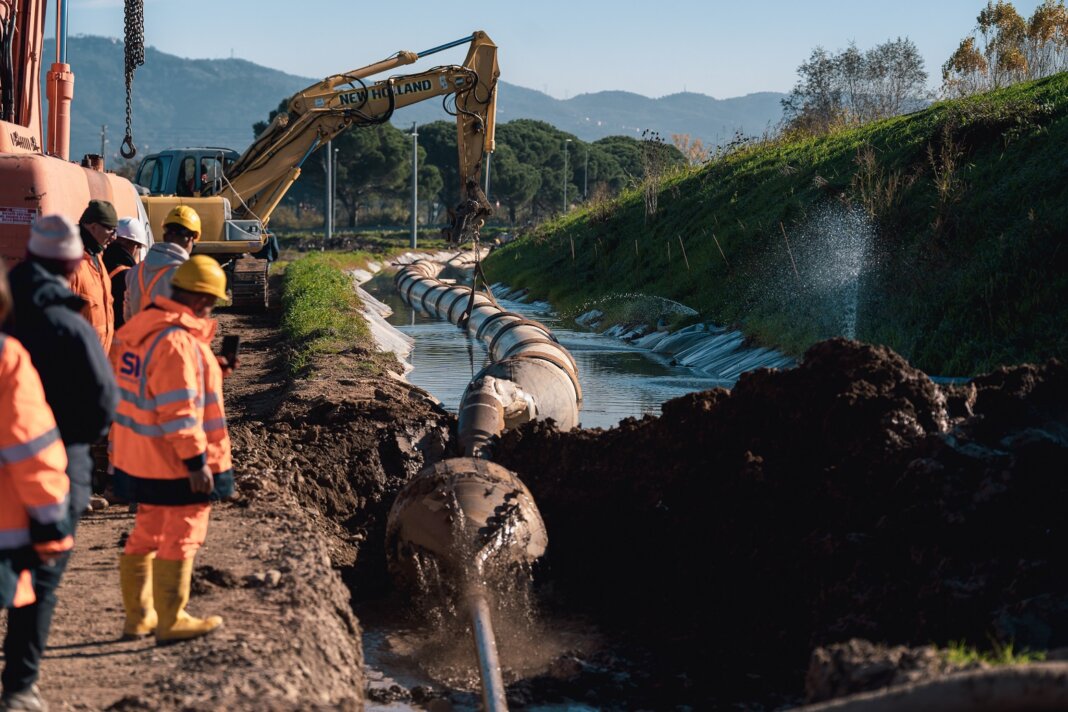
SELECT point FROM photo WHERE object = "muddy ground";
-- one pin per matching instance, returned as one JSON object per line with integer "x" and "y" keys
{"x": 719, "y": 544}
{"x": 289, "y": 641}
{"x": 848, "y": 498}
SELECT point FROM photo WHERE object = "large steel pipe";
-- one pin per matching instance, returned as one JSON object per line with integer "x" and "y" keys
{"x": 523, "y": 352}
{"x": 465, "y": 518}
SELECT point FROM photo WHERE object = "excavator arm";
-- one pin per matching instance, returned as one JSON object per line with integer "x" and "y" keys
{"x": 258, "y": 180}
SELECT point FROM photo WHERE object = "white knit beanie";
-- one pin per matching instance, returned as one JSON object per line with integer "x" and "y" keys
{"x": 55, "y": 237}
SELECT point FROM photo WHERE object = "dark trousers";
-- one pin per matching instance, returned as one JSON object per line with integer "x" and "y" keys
{"x": 27, "y": 627}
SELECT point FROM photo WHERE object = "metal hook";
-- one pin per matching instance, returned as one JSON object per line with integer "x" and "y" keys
{"x": 128, "y": 152}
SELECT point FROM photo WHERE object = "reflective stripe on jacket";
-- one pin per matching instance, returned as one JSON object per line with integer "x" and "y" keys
{"x": 151, "y": 277}
{"x": 91, "y": 283}
{"x": 34, "y": 505}
{"x": 170, "y": 417}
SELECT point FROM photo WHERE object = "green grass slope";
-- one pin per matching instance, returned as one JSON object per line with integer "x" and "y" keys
{"x": 955, "y": 219}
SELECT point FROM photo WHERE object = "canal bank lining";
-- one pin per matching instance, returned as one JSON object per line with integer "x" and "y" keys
{"x": 387, "y": 337}
{"x": 707, "y": 348}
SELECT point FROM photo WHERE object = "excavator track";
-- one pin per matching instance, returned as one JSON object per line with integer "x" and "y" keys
{"x": 248, "y": 284}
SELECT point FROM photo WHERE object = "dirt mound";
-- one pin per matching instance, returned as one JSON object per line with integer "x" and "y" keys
{"x": 345, "y": 447}
{"x": 849, "y": 497}
{"x": 861, "y": 666}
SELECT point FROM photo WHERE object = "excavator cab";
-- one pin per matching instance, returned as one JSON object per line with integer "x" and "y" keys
{"x": 196, "y": 177}
{"x": 185, "y": 172}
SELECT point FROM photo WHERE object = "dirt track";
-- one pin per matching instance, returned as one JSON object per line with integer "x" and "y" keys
{"x": 290, "y": 640}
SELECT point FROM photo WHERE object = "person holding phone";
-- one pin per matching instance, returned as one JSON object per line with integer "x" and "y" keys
{"x": 170, "y": 448}
{"x": 35, "y": 518}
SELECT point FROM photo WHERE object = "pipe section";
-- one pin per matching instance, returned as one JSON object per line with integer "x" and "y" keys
{"x": 464, "y": 521}
{"x": 523, "y": 352}
{"x": 468, "y": 516}
{"x": 489, "y": 662}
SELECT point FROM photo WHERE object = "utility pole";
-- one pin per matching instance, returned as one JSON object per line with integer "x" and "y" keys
{"x": 586, "y": 176}
{"x": 415, "y": 187}
{"x": 103, "y": 143}
{"x": 328, "y": 213}
{"x": 566, "y": 141}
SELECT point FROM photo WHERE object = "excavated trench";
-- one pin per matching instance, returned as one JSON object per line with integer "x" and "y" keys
{"x": 697, "y": 559}
{"x": 851, "y": 497}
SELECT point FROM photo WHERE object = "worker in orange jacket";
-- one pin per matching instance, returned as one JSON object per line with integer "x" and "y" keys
{"x": 35, "y": 523}
{"x": 170, "y": 448}
{"x": 91, "y": 282}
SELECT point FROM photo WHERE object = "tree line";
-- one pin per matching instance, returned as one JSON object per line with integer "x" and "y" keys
{"x": 527, "y": 173}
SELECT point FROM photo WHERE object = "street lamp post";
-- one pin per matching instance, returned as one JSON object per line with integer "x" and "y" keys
{"x": 328, "y": 216}
{"x": 415, "y": 186}
{"x": 333, "y": 187}
{"x": 586, "y": 176}
{"x": 566, "y": 141}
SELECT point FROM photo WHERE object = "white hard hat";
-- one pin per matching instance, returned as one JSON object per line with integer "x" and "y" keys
{"x": 132, "y": 229}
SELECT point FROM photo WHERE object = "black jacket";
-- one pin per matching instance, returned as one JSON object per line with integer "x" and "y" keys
{"x": 115, "y": 256}
{"x": 78, "y": 381}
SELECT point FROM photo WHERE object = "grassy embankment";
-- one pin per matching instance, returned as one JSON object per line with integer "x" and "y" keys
{"x": 321, "y": 315}
{"x": 967, "y": 202}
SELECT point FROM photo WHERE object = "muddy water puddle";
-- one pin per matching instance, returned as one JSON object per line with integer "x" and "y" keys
{"x": 618, "y": 380}
{"x": 551, "y": 664}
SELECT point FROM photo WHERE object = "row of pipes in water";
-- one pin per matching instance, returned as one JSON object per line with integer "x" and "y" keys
{"x": 465, "y": 517}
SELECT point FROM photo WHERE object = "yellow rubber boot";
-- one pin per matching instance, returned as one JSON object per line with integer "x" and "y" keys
{"x": 135, "y": 580}
{"x": 170, "y": 582}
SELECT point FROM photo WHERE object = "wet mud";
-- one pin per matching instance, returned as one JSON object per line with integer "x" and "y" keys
{"x": 345, "y": 447}
{"x": 850, "y": 497}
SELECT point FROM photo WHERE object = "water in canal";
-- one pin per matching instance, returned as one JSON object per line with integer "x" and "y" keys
{"x": 618, "y": 380}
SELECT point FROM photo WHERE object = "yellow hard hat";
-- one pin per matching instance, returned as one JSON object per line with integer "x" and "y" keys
{"x": 185, "y": 216}
{"x": 201, "y": 274}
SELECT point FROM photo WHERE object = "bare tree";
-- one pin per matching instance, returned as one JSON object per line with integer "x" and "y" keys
{"x": 853, "y": 87}
{"x": 692, "y": 148}
{"x": 1004, "y": 48}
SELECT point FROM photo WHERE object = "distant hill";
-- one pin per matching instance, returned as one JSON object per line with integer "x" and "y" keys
{"x": 611, "y": 113}
{"x": 183, "y": 102}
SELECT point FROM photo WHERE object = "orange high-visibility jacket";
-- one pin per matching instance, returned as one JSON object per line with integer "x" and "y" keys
{"x": 34, "y": 505}
{"x": 170, "y": 418}
{"x": 92, "y": 283}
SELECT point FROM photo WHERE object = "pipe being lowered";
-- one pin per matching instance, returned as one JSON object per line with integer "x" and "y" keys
{"x": 467, "y": 518}
{"x": 531, "y": 377}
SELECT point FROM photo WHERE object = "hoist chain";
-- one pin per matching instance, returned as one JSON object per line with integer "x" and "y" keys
{"x": 134, "y": 50}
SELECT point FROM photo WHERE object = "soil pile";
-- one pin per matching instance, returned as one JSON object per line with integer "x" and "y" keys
{"x": 860, "y": 666}
{"x": 849, "y": 497}
{"x": 344, "y": 447}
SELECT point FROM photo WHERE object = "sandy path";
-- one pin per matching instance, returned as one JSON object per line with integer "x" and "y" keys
{"x": 289, "y": 643}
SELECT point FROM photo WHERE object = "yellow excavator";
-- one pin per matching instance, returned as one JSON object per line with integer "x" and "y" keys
{"x": 236, "y": 194}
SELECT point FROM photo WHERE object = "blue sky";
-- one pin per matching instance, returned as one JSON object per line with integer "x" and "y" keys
{"x": 565, "y": 48}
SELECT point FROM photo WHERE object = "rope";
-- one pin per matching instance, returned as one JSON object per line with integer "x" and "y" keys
{"x": 134, "y": 53}
{"x": 478, "y": 275}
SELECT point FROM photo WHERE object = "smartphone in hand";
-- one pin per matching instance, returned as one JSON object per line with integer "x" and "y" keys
{"x": 231, "y": 347}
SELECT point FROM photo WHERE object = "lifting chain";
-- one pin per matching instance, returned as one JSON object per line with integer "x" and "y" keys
{"x": 134, "y": 50}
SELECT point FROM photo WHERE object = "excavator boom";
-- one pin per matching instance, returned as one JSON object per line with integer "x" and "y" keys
{"x": 240, "y": 201}
{"x": 258, "y": 180}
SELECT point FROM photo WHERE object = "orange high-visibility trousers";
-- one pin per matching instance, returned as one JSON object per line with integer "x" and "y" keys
{"x": 173, "y": 532}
